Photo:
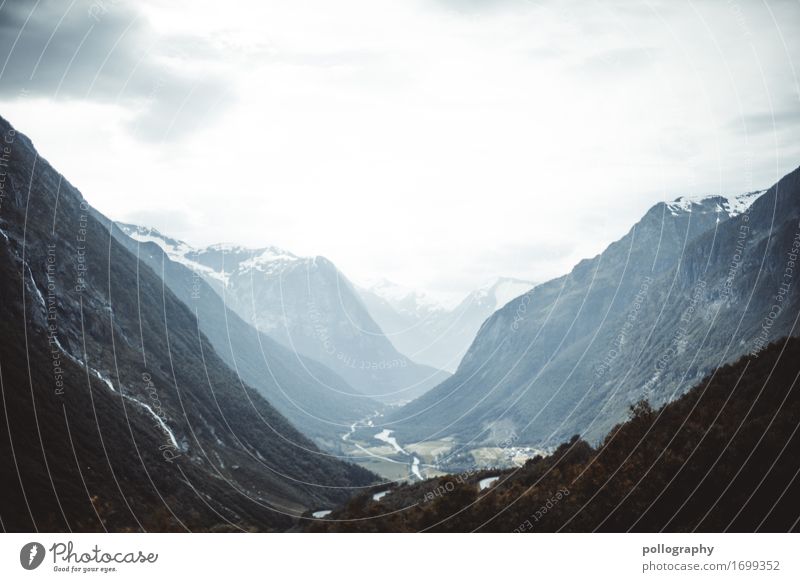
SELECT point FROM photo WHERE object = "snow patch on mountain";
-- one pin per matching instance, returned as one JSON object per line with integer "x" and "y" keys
{"x": 730, "y": 205}
{"x": 268, "y": 260}
{"x": 177, "y": 250}
{"x": 738, "y": 204}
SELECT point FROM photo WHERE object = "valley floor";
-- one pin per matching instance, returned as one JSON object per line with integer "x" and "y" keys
{"x": 373, "y": 447}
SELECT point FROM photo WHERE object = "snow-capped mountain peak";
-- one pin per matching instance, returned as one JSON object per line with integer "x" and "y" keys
{"x": 177, "y": 250}
{"x": 226, "y": 248}
{"x": 268, "y": 259}
{"x": 309, "y": 306}
{"x": 216, "y": 261}
{"x": 729, "y": 205}
{"x": 148, "y": 234}
{"x": 738, "y": 204}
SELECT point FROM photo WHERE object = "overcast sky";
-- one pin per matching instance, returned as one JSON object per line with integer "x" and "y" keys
{"x": 437, "y": 143}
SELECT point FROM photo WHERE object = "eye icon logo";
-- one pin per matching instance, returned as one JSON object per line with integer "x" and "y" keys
{"x": 31, "y": 555}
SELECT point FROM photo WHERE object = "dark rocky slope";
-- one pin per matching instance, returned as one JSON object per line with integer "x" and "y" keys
{"x": 723, "y": 457}
{"x": 117, "y": 413}
{"x": 686, "y": 290}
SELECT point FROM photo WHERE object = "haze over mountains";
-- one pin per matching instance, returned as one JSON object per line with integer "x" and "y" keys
{"x": 427, "y": 331}
{"x": 309, "y": 306}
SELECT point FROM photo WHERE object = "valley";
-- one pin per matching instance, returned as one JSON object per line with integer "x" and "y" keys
{"x": 243, "y": 388}
{"x": 693, "y": 465}
{"x": 376, "y": 449}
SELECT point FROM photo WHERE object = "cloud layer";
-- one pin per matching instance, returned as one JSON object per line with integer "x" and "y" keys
{"x": 105, "y": 51}
{"x": 438, "y": 143}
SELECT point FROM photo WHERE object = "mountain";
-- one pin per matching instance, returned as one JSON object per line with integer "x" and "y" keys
{"x": 426, "y": 331}
{"x": 312, "y": 397}
{"x": 309, "y": 306}
{"x": 117, "y": 413}
{"x": 394, "y": 306}
{"x": 691, "y": 286}
{"x": 723, "y": 457}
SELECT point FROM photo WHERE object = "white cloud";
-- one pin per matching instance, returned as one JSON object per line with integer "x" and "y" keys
{"x": 440, "y": 147}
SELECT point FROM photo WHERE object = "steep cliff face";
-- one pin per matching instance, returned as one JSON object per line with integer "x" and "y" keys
{"x": 117, "y": 411}
{"x": 686, "y": 290}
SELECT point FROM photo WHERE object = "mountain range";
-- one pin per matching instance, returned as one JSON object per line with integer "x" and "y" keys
{"x": 307, "y": 305}
{"x": 316, "y": 400}
{"x": 429, "y": 332}
{"x": 694, "y": 284}
{"x": 117, "y": 412}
